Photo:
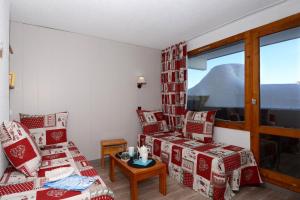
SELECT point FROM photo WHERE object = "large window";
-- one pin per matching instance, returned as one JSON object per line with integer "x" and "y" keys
{"x": 280, "y": 79}
{"x": 216, "y": 81}
{"x": 280, "y": 101}
{"x": 255, "y": 86}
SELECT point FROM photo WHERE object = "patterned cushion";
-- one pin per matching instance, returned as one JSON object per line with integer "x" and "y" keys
{"x": 152, "y": 121}
{"x": 199, "y": 125}
{"x": 47, "y": 129}
{"x": 19, "y": 148}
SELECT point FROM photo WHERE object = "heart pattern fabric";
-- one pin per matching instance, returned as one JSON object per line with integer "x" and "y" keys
{"x": 57, "y": 135}
{"x": 20, "y": 149}
{"x": 18, "y": 152}
{"x": 47, "y": 130}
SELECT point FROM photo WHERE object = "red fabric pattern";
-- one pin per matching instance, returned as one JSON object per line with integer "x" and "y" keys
{"x": 79, "y": 158}
{"x": 194, "y": 127}
{"x": 176, "y": 155}
{"x": 205, "y": 147}
{"x": 103, "y": 197}
{"x": 33, "y": 122}
{"x": 157, "y": 147}
{"x": 174, "y": 84}
{"x": 56, "y": 136}
{"x": 20, "y": 149}
{"x": 250, "y": 176}
{"x": 204, "y": 166}
{"x": 233, "y": 148}
{"x": 55, "y": 194}
{"x": 142, "y": 140}
{"x": 232, "y": 162}
{"x": 15, "y": 185}
{"x": 54, "y": 156}
{"x": 20, "y": 152}
{"x": 152, "y": 121}
{"x": 199, "y": 125}
{"x": 207, "y": 168}
{"x": 188, "y": 179}
{"x": 21, "y": 187}
{"x": 89, "y": 172}
{"x": 159, "y": 116}
{"x": 47, "y": 129}
{"x": 41, "y": 172}
{"x": 151, "y": 128}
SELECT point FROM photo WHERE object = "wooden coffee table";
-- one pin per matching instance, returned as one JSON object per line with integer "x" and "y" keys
{"x": 135, "y": 174}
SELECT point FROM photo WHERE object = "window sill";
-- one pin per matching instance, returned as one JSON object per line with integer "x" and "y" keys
{"x": 231, "y": 125}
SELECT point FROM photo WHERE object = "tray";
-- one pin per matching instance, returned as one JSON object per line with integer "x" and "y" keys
{"x": 131, "y": 164}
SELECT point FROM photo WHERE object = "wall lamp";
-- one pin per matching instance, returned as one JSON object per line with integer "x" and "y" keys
{"x": 141, "y": 81}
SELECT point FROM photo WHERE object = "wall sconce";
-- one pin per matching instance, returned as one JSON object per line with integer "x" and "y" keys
{"x": 141, "y": 81}
{"x": 12, "y": 79}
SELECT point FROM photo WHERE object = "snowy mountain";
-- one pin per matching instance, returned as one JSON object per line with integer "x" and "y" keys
{"x": 224, "y": 85}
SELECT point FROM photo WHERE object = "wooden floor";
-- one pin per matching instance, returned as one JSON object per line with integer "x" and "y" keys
{"x": 148, "y": 189}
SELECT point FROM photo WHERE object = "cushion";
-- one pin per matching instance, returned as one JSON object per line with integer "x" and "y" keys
{"x": 19, "y": 148}
{"x": 152, "y": 121}
{"x": 199, "y": 125}
{"x": 48, "y": 129}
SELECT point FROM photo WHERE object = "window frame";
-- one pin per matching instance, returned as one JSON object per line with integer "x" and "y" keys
{"x": 245, "y": 125}
{"x": 252, "y": 90}
{"x": 274, "y": 177}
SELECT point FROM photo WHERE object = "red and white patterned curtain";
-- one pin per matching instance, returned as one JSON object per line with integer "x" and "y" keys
{"x": 174, "y": 85}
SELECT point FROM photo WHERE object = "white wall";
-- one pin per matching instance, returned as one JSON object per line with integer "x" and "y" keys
{"x": 266, "y": 16}
{"x": 289, "y": 7}
{"x": 4, "y": 68}
{"x": 231, "y": 136}
{"x": 94, "y": 79}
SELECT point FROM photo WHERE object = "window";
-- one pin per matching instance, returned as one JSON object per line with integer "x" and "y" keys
{"x": 280, "y": 102}
{"x": 280, "y": 154}
{"x": 280, "y": 79}
{"x": 216, "y": 80}
{"x": 255, "y": 85}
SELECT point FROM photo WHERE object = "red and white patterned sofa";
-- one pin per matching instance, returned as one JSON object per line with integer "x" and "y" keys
{"x": 15, "y": 185}
{"x": 39, "y": 144}
{"x": 213, "y": 169}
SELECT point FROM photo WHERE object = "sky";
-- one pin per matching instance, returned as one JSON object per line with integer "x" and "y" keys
{"x": 279, "y": 64}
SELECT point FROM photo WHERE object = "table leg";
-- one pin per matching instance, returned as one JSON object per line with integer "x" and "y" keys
{"x": 112, "y": 169}
{"x": 163, "y": 181}
{"x": 133, "y": 188}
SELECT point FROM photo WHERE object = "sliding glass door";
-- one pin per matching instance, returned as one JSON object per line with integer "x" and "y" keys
{"x": 276, "y": 104}
{"x": 253, "y": 79}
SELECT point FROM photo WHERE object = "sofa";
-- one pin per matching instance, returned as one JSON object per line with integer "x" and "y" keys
{"x": 29, "y": 160}
{"x": 215, "y": 170}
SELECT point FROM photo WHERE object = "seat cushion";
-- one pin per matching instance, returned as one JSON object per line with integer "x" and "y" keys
{"x": 152, "y": 121}
{"x": 20, "y": 149}
{"x": 14, "y": 185}
{"x": 199, "y": 125}
{"x": 47, "y": 129}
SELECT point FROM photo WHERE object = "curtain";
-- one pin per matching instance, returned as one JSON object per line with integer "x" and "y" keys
{"x": 174, "y": 85}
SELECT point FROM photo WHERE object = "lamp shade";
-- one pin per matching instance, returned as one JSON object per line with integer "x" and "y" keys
{"x": 141, "y": 80}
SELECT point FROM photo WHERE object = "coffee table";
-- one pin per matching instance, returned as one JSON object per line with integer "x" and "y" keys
{"x": 135, "y": 174}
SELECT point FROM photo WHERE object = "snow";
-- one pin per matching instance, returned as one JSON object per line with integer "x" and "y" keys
{"x": 224, "y": 85}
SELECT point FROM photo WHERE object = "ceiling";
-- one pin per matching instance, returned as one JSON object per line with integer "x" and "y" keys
{"x": 149, "y": 23}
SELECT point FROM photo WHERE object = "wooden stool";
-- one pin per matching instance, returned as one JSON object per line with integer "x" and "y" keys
{"x": 112, "y": 147}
